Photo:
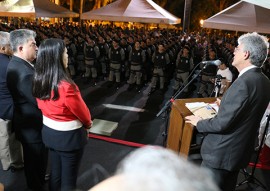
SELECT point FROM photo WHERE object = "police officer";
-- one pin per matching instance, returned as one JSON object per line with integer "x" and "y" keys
{"x": 136, "y": 58}
{"x": 145, "y": 65}
{"x": 150, "y": 49}
{"x": 125, "y": 65}
{"x": 160, "y": 59}
{"x": 183, "y": 65}
{"x": 208, "y": 74}
{"x": 80, "y": 55}
{"x": 91, "y": 53}
{"x": 103, "y": 57}
{"x": 71, "y": 51}
{"x": 116, "y": 57}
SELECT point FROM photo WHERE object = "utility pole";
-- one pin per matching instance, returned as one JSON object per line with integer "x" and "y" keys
{"x": 81, "y": 10}
{"x": 187, "y": 11}
{"x": 71, "y": 2}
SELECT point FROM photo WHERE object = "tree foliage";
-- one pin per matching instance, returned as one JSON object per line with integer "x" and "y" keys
{"x": 201, "y": 9}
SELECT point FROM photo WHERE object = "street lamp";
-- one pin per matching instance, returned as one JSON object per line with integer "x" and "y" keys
{"x": 201, "y": 24}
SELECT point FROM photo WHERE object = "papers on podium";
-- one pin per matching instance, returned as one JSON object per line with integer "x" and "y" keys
{"x": 103, "y": 127}
{"x": 202, "y": 109}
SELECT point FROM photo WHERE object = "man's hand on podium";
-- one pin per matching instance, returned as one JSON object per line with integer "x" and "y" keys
{"x": 192, "y": 119}
{"x": 218, "y": 102}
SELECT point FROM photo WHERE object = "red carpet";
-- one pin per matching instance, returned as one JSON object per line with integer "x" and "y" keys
{"x": 264, "y": 159}
{"x": 112, "y": 140}
{"x": 261, "y": 166}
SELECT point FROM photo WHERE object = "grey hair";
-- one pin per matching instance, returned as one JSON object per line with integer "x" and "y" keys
{"x": 257, "y": 46}
{"x": 20, "y": 37}
{"x": 4, "y": 38}
{"x": 157, "y": 168}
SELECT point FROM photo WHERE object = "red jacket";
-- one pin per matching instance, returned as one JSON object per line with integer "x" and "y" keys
{"x": 68, "y": 107}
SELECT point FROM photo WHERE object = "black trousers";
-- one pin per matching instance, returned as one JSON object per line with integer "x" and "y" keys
{"x": 35, "y": 157}
{"x": 226, "y": 180}
{"x": 64, "y": 169}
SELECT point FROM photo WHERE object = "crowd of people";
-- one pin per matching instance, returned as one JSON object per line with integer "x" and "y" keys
{"x": 41, "y": 98}
{"x": 140, "y": 56}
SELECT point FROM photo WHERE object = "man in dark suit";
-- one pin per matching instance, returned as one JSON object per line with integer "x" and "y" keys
{"x": 230, "y": 135}
{"x": 10, "y": 148}
{"x": 27, "y": 119}
{"x": 6, "y": 103}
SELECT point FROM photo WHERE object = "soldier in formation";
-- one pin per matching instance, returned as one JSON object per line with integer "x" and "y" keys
{"x": 137, "y": 59}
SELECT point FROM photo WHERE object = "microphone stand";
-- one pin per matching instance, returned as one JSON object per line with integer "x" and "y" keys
{"x": 249, "y": 177}
{"x": 166, "y": 107}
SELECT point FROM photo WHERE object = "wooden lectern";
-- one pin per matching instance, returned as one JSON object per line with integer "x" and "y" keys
{"x": 179, "y": 132}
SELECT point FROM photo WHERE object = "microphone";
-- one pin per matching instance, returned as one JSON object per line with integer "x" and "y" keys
{"x": 212, "y": 62}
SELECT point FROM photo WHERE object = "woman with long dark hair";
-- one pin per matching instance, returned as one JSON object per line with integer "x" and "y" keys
{"x": 65, "y": 115}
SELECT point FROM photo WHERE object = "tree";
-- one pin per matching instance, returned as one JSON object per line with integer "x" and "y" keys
{"x": 200, "y": 9}
{"x": 205, "y": 9}
{"x": 219, "y": 5}
{"x": 161, "y": 3}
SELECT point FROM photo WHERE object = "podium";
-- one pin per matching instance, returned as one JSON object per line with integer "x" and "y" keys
{"x": 180, "y": 133}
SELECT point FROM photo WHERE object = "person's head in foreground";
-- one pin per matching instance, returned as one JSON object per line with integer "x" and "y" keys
{"x": 157, "y": 169}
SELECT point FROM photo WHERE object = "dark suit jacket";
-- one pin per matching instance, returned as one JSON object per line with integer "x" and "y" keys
{"x": 6, "y": 103}
{"x": 27, "y": 119}
{"x": 231, "y": 134}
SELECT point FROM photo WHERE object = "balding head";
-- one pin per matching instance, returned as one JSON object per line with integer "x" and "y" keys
{"x": 5, "y": 43}
{"x": 156, "y": 168}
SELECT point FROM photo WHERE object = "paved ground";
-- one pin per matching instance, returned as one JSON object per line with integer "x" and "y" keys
{"x": 136, "y": 114}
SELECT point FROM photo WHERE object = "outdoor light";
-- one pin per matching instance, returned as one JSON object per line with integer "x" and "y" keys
{"x": 201, "y": 22}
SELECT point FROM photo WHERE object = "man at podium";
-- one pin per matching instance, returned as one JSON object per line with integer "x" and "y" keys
{"x": 230, "y": 135}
